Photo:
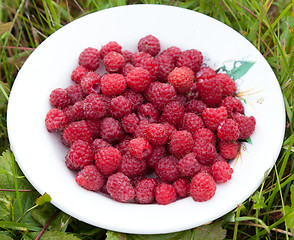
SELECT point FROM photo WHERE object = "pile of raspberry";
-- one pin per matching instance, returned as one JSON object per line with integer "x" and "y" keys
{"x": 155, "y": 127}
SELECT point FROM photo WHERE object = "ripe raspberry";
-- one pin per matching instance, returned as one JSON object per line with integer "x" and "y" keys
{"x": 157, "y": 153}
{"x": 182, "y": 79}
{"x": 173, "y": 52}
{"x": 113, "y": 62}
{"x": 205, "y": 73}
{"x": 165, "y": 194}
{"x": 202, "y": 187}
{"x": 221, "y": 171}
{"x": 59, "y": 98}
{"x": 75, "y": 112}
{"x": 136, "y": 179}
{"x": 150, "y": 65}
{"x": 148, "y": 112}
{"x": 119, "y": 107}
{"x": 130, "y": 122}
{"x": 191, "y": 122}
{"x": 94, "y": 127}
{"x": 126, "y": 69}
{"x": 156, "y": 134}
{"x": 75, "y": 93}
{"x": 135, "y": 98}
{"x": 78, "y": 73}
{"x": 90, "y": 83}
{"x": 94, "y": 107}
{"x": 108, "y": 160}
{"x": 212, "y": 117}
{"x": 165, "y": 66}
{"x": 79, "y": 155}
{"x": 181, "y": 143}
{"x": 195, "y": 106}
{"x": 111, "y": 46}
{"x": 131, "y": 166}
{"x": 190, "y": 58}
{"x": 228, "y": 130}
{"x": 182, "y": 187}
{"x": 210, "y": 91}
{"x": 55, "y": 120}
{"x": 138, "y": 79}
{"x": 113, "y": 84}
{"x": 229, "y": 150}
{"x": 205, "y": 169}
{"x": 204, "y": 134}
{"x": 145, "y": 191}
{"x": 76, "y": 131}
{"x": 111, "y": 130}
{"x": 188, "y": 166}
{"x": 246, "y": 125}
{"x": 169, "y": 129}
{"x": 206, "y": 152}
{"x": 127, "y": 56}
{"x": 141, "y": 130}
{"x": 139, "y": 56}
{"x": 90, "y": 178}
{"x": 140, "y": 148}
{"x": 233, "y": 105}
{"x": 120, "y": 188}
{"x": 149, "y": 44}
{"x": 173, "y": 112}
{"x": 89, "y": 58}
{"x": 228, "y": 84}
{"x": 99, "y": 144}
{"x": 182, "y": 99}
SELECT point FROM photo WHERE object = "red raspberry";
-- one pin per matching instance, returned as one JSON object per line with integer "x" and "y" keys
{"x": 75, "y": 112}
{"x": 182, "y": 99}
{"x": 150, "y": 65}
{"x": 160, "y": 94}
{"x": 127, "y": 68}
{"x": 111, "y": 46}
{"x": 188, "y": 166}
{"x": 165, "y": 66}
{"x": 123, "y": 145}
{"x": 59, "y": 98}
{"x": 157, "y": 153}
{"x": 173, "y": 112}
{"x": 90, "y": 178}
{"x": 221, "y": 171}
{"x": 156, "y": 134}
{"x": 165, "y": 194}
{"x": 119, "y": 107}
{"x": 113, "y": 62}
{"x": 233, "y": 105}
{"x": 75, "y": 93}
{"x": 138, "y": 79}
{"x": 206, "y": 152}
{"x": 130, "y": 122}
{"x": 173, "y": 52}
{"x": 79, "y": 155}
{"x": 205, "y": 169}
{"x": 149, "y": 44}
{"x": 190, "y": 58}
{"x": 228, "y": 130}
{"x": 191, "y": 122}
{"x": 229, "y": 150}
{"x": 204, "y": 134}
{"x": 169, "y": 128}
{"x": 127, "y": 55}
{"x": 182, "y": 187}
{"x": 89, "y": 58}
{"x": 139, "y": 56}
{"x": 228, "y": 84}
{"x": 205, "y": 73}
{"x": 202, "y": 187}
{"x": 210, "y": 91}
{"x": 181, "y": 143}
{"x": 131, "y": 166}
{"x": 113, "y": 84}
{"x": 145, "y": 191}
{"x": 94, "y": 107}
{"x": 212, "y": 117}
{"x": 55, "y": 119}
{"x": 142, "y": 129}
{"x": 90, "y": 83}
{"x": 99, "y": 144}
{"x": 76, "y": 131}
{"x": 148, "y": 112}
{"x": 111, "y": 130}
{"x": 195, "y": 106}
{"x": 94, "y": 127}
{"x": 246, "y": 125}
{"x": 108, "y": 160}
{"x": 78, "y": 73}
{"x": 120, "y": 188}
{"x": 140, "y": 148}
{"x": 182, "y": 79}
{"x": 136, "y": 179}
{"x": 135, "y": 98}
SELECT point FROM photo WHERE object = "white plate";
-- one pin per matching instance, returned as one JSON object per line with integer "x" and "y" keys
{"x": 41, "y": 156}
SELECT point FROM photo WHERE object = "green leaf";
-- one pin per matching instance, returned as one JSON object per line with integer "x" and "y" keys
{"x": 5, "y": 237}
{"x": 55, "y": 235}
{"x": 292, "y": 195}
{"x": 259, "y": 201}
{"x": 212, "y": 231}
{"x": 248, "y": 140}
{"x": 43, "y": 199}
{"x": 289, "y": 217}
{"x": 110, "y": 235}
{"x": 239, "y": 70}
{"x": 183, "y": 235}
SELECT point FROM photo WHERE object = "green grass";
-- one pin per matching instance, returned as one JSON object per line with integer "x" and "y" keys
{"x": 267, "y": 214}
